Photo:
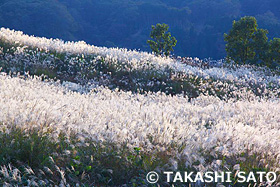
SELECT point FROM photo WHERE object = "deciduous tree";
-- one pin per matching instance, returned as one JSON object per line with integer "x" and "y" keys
{"x": 240, "y": 45}
{"x": 274, "y": 52}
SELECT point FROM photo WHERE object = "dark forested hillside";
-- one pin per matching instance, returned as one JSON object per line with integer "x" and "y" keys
{"x": 198, "y": 25}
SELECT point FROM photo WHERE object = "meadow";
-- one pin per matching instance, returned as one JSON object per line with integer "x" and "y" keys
{"x": 75, "y": 114}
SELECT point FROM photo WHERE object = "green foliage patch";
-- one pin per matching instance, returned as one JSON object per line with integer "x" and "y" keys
{"x": 162, "y": 43}
{"x": 248, "y": 44}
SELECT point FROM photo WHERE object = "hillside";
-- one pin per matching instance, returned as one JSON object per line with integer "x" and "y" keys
{"x": 198, "y": 25}
{"x": 107, "y": 116}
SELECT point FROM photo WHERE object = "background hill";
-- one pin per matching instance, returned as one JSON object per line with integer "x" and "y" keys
{"x": 198, "y": 25}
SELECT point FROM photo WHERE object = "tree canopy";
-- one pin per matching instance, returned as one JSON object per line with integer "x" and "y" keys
{"x": 248, "y": 44}
{"x": 162, "y": 42}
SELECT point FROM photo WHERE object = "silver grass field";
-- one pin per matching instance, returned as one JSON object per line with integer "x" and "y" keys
{"x": 66, "y": 128}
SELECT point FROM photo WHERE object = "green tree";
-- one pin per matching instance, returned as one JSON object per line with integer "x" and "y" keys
{"x": 246, "y": 43}
{"x": 260, "y": 45}
{"x": 274, "y": 52}
{"x": 162, "y": 42}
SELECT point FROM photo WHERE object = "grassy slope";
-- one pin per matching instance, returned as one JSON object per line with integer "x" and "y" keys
{"x": 70, "y": 159}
